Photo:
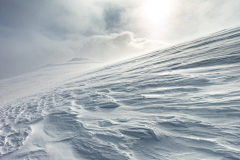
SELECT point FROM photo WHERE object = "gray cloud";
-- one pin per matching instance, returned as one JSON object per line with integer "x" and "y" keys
{"x": 112, "y": 16}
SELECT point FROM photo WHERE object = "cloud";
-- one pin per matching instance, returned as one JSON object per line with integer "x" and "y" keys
{"x": 22, "y": 51}
{"x": 34, "y": 33}
{"x": 115, "y": 46}
{"x": 187, "y": 20}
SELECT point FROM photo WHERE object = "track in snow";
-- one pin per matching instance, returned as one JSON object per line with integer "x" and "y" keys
{"x": 179, "y": 103}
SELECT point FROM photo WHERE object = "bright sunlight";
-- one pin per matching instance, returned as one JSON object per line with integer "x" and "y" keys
{"x": 156, "y": 10}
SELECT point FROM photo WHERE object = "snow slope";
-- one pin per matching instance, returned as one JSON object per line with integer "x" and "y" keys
{"x": 179, "y": 103}
{"x": 42, "y": 79}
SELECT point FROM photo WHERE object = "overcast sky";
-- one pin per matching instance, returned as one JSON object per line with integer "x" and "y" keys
{"x": 38, "y": 32}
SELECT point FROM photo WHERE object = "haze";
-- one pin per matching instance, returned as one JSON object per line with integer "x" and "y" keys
{"x": 36, "y": 33}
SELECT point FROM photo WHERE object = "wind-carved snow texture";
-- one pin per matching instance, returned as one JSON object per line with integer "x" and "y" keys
{"x": 179, "y": 103}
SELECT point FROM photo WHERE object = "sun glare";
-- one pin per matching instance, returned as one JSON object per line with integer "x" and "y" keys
{"x": 156, "y": 10}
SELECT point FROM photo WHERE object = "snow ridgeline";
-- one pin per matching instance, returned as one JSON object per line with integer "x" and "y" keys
{"x": 179, "y": 103}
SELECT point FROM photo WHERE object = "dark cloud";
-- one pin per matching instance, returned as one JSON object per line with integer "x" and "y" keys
{"x": 112, "y": 16}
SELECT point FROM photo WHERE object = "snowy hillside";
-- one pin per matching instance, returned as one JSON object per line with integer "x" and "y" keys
{"x": 179, "y": 103}
{"x": 42, "y": 79}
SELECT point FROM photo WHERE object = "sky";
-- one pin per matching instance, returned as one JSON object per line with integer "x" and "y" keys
{"x": 36, "y": 33}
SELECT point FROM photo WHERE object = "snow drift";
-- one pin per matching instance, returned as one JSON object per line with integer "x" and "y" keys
{"x": 179, "y": 103}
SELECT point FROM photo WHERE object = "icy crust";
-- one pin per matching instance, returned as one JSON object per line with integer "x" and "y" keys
{"x": 178, "y": 103}
{"x": 14, "y": 126}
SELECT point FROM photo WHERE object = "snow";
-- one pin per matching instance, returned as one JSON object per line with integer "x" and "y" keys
{"x": 42, "y": 79}
{"x": 81, "y": 59}
{"x": 178, "y": 103}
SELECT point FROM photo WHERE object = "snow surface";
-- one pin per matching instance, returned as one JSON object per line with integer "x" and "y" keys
{"x": 179, "y": 103}
{"x": 86, "y": 60}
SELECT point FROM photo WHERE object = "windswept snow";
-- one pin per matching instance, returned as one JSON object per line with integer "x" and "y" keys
{"x": 42, "y": 79}
{"x": 179, "y": 103}
{"x": 80, "y": 59}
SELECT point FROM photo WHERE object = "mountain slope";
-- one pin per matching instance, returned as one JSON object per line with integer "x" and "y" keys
{"x": 177, "y": 103}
